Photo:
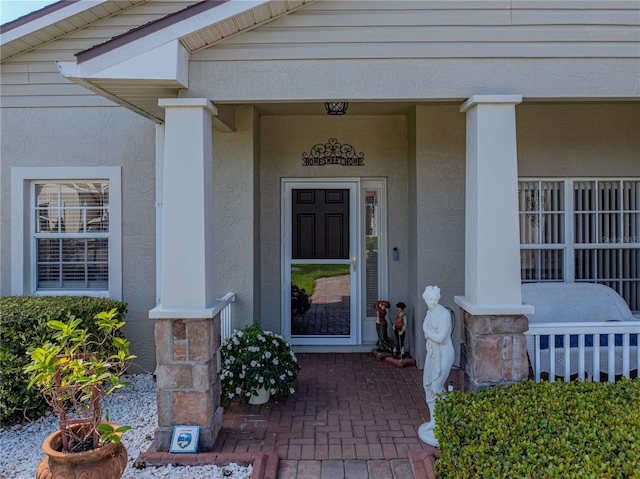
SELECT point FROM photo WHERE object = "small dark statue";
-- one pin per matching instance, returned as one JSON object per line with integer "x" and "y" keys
{"x": 384, "y": 343}
{"x": 399, "y": 329}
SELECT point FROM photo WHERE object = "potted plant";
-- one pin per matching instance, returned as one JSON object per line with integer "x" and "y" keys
{"x": 74, "y": 372}
{"x": 257, "y": 364}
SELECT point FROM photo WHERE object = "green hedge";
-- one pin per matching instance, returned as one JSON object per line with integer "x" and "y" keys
{"x": 546, "y": 430}
{"x": 23, "y": 326}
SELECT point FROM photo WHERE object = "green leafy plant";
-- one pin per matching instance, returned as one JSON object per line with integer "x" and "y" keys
{"x": 546, "y": 430}
{"x": 75, "y": 371}
{"x": 23, "y": 326}
{"x": 109, "y": 432}
{"x": 254, "y": 359}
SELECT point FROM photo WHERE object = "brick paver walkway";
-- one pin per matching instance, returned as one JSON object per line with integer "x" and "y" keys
{"x": 329, "y": 311}
{"x": 352, "y": 417}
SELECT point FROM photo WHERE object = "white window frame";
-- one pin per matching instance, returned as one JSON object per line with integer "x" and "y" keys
{"x": 539, "y": 212}
{"x": 569, "y": 246}
{"x": 23, "y": 264}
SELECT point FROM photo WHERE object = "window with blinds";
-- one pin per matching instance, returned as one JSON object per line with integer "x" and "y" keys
{"x": 542, "y": 230}
{"x": 71, "y": 235}
{"x": 607, "y": 235}
{"x": 582, "y": 230}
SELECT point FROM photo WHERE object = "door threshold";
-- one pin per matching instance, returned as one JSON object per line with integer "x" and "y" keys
{"x": 325, "y": 348}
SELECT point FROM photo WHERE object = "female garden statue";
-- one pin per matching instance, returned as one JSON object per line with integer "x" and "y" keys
{"x": 437, "y": 327}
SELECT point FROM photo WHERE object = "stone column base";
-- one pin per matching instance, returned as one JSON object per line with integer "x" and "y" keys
{"x": 494, "y": 350}
{"x": 187, "y": 378}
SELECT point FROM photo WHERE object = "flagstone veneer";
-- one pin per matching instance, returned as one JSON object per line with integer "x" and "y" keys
{"x": 494, "y": 349}
{"x": 187, "y": 378}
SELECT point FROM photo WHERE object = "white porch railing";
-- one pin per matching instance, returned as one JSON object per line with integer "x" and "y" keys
{"x": 225, "y": 315}
{"x": 585, "y": 361}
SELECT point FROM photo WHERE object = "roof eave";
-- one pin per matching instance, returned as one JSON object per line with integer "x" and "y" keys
{"x": 137, "y": 82}
{"x": 45, "y": 25}
{"x": 44, "y": 17}
{"x": 94, "y": 87}
{"x": 148, "y": 63}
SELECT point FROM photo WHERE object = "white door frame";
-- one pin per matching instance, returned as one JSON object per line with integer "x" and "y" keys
{"x": 355, "y": 250}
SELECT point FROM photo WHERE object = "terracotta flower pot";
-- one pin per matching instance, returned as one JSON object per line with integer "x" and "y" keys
{"x": 106, "y": 462}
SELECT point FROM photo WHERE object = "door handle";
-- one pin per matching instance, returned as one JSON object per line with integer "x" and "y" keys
{"x": 354, "y": 262}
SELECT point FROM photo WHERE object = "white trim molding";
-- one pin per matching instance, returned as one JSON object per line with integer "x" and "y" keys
{"x": 22, "y": 267}
{"x": 169, "y": 61}
{"x": 492, "y": 240}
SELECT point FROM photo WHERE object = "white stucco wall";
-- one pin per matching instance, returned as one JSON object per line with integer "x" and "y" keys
{"x": 94, "y": 137}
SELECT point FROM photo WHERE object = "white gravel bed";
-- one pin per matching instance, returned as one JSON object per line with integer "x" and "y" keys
{"x": 134, "y": 405}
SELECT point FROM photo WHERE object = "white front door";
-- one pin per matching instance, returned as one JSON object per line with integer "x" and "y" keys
{"x": 321, "y": 241}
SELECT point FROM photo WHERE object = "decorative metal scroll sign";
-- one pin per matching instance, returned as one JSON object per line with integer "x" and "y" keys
{"x": 332, "y": 153}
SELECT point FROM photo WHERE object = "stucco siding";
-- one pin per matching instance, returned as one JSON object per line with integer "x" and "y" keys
{"x": 94, "y": 137}
{"x": 440, "y": 201}
{"x": 236, "y": 214}
{"x": 416, "y": 79}
{"x": 428, "y": 178}
{"x": 559, "y": 55}
{"x": 383, "y": 140}
{"x": 565, "y": 140}
{"x": 554, "y": 140}
{"x": 413, "y": 340}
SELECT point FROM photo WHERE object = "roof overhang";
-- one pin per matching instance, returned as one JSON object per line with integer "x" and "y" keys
{"x": 139, "y": 81}
{"x": 49, "y": 23}
{"x": 152, "y": 62}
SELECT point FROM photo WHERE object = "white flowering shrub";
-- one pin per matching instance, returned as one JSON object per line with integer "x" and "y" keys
{"x": 254, "y": 359}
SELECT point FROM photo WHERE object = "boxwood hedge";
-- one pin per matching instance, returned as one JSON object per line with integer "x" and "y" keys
{"x": 546, "y": 430}
{"x": 23, "y": 326}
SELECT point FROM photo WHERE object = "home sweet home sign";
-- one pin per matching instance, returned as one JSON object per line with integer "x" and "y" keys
{"x": 332, "y": 153}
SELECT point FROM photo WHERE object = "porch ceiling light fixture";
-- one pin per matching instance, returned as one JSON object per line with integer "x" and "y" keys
{"x": 336, "y": 107}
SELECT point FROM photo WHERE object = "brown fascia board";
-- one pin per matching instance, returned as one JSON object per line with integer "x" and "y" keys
{"x": 147, "y": 29}
{"x": 29, "y": 17}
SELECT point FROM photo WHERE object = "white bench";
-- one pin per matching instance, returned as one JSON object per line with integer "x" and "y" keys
{"x": 580, "y": 313}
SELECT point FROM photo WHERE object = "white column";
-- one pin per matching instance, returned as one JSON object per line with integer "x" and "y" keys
{"x": 187, "y": 230}
{"x": 492, "y": 244}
